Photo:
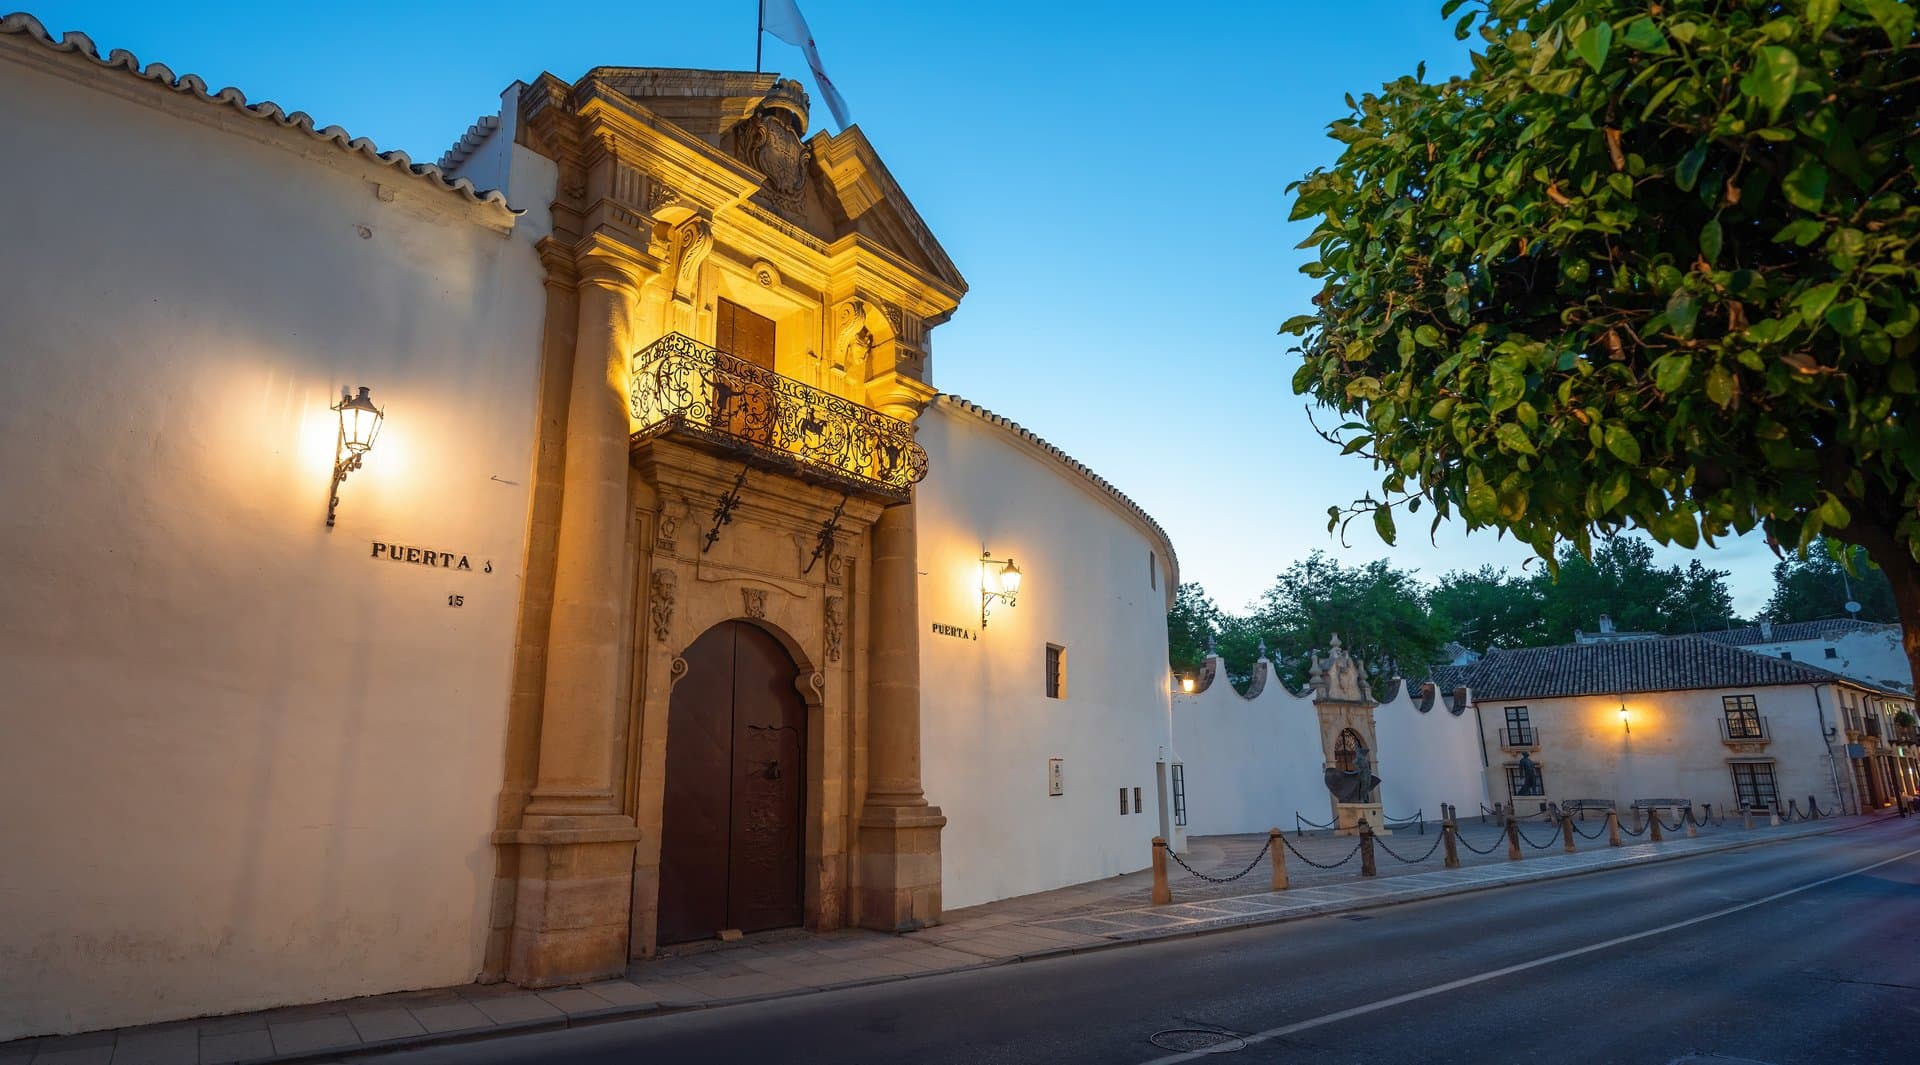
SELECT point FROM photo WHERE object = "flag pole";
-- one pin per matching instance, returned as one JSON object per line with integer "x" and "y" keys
{"x": 759, "y": 35}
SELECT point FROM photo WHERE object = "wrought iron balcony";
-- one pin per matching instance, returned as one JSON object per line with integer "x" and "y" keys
{"x": 1519, "y": 738}
{"x": 683, "y": 387}
{"x": 1743, "y": 729}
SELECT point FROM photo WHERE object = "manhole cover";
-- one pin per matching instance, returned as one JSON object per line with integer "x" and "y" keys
{"x": 1197, "y": 1040}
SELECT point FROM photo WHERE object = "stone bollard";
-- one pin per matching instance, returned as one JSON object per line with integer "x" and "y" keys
{"x": 1566, "y": 830}
{"x": 1366, "y": 849}
{"x": 1447, "y": 831}
{"x": 1813, "y": 809}
{"x": 1162, "y": 894}
{"x": 1693, "y": 827}
{"x": 1746, "y": 816}
{"x": 1653, "y": 826}
{"x": 1278, "y": 844}
{"x": 1773, "y": 816}
{"x": 1613, "y": 828}
{"x": 1513, "y": 840}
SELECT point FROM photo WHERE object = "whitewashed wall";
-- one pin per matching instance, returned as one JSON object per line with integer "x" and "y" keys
{"x": 1427, "y": 757}
{"x": 1872, "y": 655}
{"x": 987, "y": 726}
{"x": 1674, "y": 749}
{"x": 245, "y": 764}
{"x": 1251, "y": 763}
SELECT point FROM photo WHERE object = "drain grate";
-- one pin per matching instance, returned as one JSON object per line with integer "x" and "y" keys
{"x": 1197, "y": 1041}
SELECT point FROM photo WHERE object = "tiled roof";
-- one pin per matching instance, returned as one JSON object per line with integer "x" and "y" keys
{"x": 1676, "y": 663}
{"x": 25, "y": 25}
{"x": 1792, "y": 631}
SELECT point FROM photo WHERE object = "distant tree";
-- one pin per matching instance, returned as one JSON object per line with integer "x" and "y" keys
{"x": 1646, "y": 265}
{"x": 1816, "y": 586}
{"x": 1620, "y": 581}
{"x": 1379, "y": 612}
{"x": 1702, "y": 601}
{"x": 1192, "y": 621}
{"x": 1487, "y": 607}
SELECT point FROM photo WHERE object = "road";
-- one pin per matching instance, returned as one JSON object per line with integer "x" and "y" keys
{"x": 1802, "y": 951}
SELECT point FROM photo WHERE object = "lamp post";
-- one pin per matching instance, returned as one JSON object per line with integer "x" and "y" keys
{"x": 359, "y": 425}
{"x": 1624, "y": 719}
{"x": 1007, "y": 581}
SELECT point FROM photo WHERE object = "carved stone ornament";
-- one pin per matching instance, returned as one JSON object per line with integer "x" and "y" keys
{"x": 1338, "y": 677}
{"x": 665, "y": 585}
{"x": 853, "y": 341}
{"x": 836, "y": 625}
{"x": 754, "y": 600}
{"x": 668, "y": 526}
{"x": 836, "y": 569}
{"x": 696, "y": 240}
{"x": 770, "y": 143}
{"x": 660, "y": 194}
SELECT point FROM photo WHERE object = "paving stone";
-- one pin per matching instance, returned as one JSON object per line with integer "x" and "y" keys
{"x": 623, "y": 993}
{"x": 452, "y": 1017}
{"x": 235, "y": 1046}
{"x": 179, "y": 1045}
{"x": 379, "y": 1024}
{"x": 572, "y": 1000}
{"x": 93, "y": 1048}
{"x": 319, "y": 1033}
{"x": 523, "y": 1006}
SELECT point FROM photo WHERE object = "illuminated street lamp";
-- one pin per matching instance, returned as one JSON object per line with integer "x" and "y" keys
{"x": 1007, "y": 580}
{"x": 359, "y": 424}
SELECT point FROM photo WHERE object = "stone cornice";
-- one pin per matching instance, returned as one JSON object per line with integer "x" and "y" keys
{"x": 1103, "y": 488}
{"x": 25, "y": 28}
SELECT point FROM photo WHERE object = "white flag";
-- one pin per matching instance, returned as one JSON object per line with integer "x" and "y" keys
{"x": 783, "y": 19}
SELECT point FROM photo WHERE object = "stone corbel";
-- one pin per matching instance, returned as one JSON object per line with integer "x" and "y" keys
{"x": 899, "y": 395}
{"x": 694, "y": 241}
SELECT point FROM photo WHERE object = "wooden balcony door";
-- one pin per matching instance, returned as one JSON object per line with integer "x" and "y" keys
{"x": 732, "y": 827}
{"x": 745, "y": 409}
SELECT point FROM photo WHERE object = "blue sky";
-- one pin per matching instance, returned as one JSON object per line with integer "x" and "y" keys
{"x": 1110, "y": 177}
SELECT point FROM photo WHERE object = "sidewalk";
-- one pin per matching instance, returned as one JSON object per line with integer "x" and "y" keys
{"x": 1095, "y": 916}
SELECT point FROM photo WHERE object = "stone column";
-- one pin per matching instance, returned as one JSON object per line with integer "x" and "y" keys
{"x": 899, "y": 866}
{"x": 576, "y": 844}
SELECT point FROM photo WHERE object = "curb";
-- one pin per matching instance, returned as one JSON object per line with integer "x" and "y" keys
{"x": 624, "y": 1013}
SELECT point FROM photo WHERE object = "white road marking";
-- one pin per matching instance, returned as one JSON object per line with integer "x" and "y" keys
{"x": 1495, "y": 974}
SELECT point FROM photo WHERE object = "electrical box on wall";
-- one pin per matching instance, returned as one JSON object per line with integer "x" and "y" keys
{"x": 1056, "y": 776}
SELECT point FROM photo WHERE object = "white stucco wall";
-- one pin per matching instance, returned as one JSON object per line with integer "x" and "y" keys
{"x": 1427, "y": 758}
{"x": 987, "y": 726}
{"x": 246, "y": 764}
{"x": 1871, "y": 655}
{"x": 1251, "y": 764}
{"x": 1674, "y": 749}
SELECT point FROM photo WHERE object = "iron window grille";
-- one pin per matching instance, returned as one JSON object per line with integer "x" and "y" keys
{"x": 1180, "y": 794}
{"x": 1056, "y": 671}
{"x": 1753, "y": 785}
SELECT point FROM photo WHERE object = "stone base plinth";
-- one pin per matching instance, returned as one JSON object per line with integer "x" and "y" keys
{"x": 1348, "y": 815}
{"x": 899, "y": 867}
{"x": 571, "y": 897}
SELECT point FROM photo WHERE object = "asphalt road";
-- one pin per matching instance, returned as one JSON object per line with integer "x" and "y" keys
{"x": 1803, "y": 951}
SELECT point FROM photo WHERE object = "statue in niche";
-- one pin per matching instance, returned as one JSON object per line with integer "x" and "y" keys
{"x": 1350, "y": 778}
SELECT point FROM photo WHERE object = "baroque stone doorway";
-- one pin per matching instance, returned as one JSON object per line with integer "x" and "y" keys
{"x": 733, "y": 827}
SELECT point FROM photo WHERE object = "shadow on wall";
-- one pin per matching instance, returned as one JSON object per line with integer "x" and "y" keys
{"x": 1253, "y": 761}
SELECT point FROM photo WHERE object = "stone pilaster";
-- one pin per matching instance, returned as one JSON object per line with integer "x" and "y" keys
{"x": 575, "y": 843}
{"x": 899, "y": 863}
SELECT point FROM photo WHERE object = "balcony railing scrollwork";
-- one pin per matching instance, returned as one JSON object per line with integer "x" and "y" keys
{"x": 682, "y": 386}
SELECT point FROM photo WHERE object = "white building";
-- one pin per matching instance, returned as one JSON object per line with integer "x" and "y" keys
{"x": 1682, "y": 717}
{"x": 259, "y": 759}
{"x": 1863, "y": 650}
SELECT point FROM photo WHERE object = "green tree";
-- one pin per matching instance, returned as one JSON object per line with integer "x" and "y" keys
{"x": 1487, "y": 607}
{"x": 1816, "y": 585}
{"x": 1191, "y": 624}
{"x": 1647, "y": 265}
{"x": 1379, "y": 612}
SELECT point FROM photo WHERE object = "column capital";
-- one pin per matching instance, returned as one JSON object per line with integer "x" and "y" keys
{"x": 605, "y": 260}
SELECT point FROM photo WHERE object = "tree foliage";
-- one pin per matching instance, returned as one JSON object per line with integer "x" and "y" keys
{"x": 1379, "y": 612}
{"x": 1816, "y": 586}
{"x": 1191, "y": 624}
{"x": 1648, "y": 265}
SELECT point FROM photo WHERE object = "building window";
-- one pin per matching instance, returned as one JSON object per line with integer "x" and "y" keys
{"x": 1753, "y": 784}
{"x": 1136, "y": 800}
{"x": 1153, "y": 571}
{"x": 743, "y": 334}
{"x": 1056, "y": 671}
{"x": 1517, "y": 787}
{"x": 1743, "y": 717}
{"x": 1123, "y": 802}
{"x": 1833, "y": 652}
{"x": 1519, "y": 727}
{"x": 1179, "y": 794}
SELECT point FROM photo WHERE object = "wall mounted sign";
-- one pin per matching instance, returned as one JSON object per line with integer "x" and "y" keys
{"x": 1056, "y": 777}
{"x": 954, "y": 631}
{"x": 426, "y": 556}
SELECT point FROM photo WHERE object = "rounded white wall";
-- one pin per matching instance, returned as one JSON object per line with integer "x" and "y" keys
{"x": 247, "y": 763}
{"x": 988, "y": 727}
{"x": 1427, "y": 757}
{"x": 1251, "y": 763}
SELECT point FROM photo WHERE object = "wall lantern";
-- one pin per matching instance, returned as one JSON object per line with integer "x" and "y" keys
{"x": 1006, "y": 580}
{"x": 359, "y": 425}
{"x": 1623, "y": 718}
{"x": 1186, "y": 684}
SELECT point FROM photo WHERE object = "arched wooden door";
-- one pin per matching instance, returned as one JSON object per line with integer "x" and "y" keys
{"x": 732, "y": 830}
